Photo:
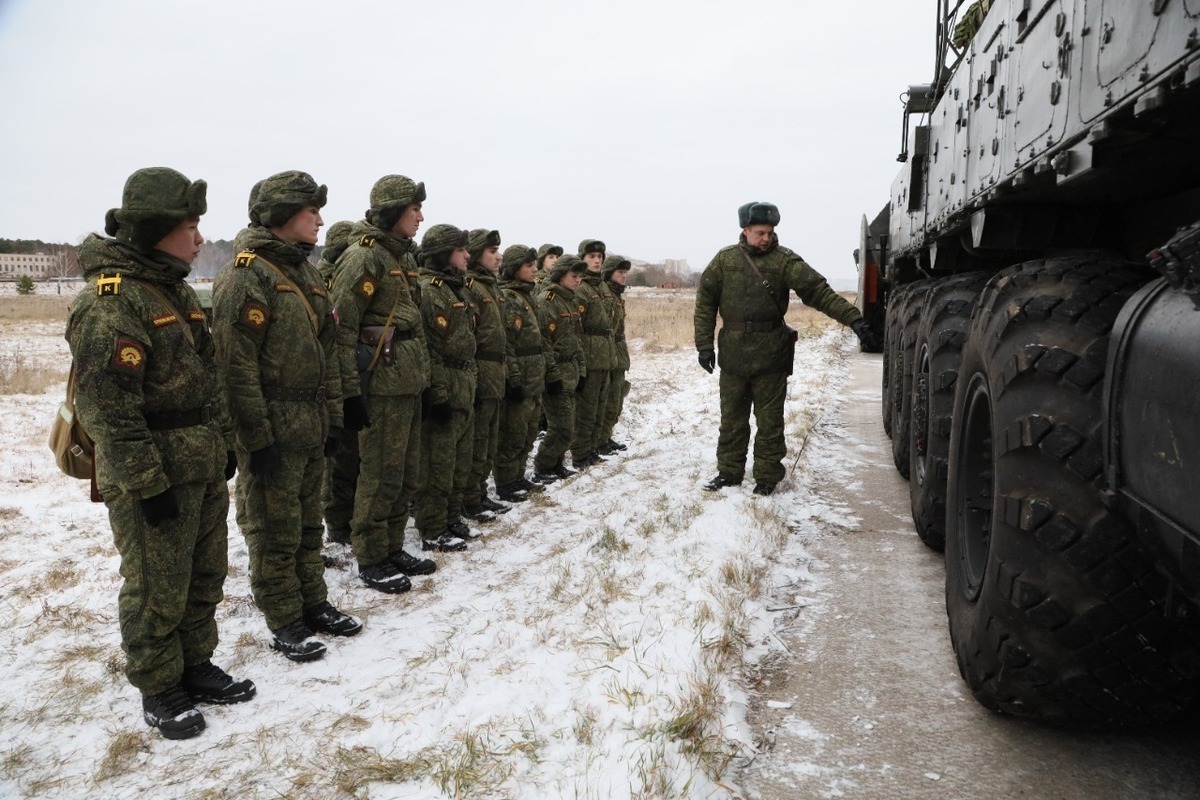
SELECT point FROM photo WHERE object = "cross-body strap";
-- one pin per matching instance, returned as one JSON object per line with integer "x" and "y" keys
{"x": 312, "y": 314}
{"x": 765, "y": 283}
{"x": 162, "y": 298}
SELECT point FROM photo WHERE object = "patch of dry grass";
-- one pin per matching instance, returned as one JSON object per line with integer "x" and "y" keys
{"x": 20, "y": 374}
{"x": 46, "y": 307}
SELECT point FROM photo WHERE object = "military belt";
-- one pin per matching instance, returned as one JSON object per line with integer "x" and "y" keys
{"x": 456, "y": 363}
{"x": 528, "y": 351}
{"x": 316, "y": 395}
{"x": 169, "y": 420}
{"x": 495, "y": 357}
{"x": 597, "y": 331}
{"x": 763, "y": 327}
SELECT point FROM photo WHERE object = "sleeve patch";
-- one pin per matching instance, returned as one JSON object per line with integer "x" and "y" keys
{"x": 196, "y": 316}
{"x": 517, "y": 322}
{"x": 254, "y": 316}
{"x": 164, "y": 319}
{"x": 366, "y": 287}
{"x": 582, "y": 308}
{"x": 442, "y": 321}
{"x": 395, "y": 273}
{"x": 129, "y": 356}
{"x": 552, "y": 326}
{"x": 282, "y": 287}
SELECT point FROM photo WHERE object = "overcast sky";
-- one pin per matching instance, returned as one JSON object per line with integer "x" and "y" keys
{"x": 645, "y": 124}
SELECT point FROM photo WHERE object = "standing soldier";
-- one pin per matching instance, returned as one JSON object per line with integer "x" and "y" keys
{"x": 558, "y": 314}
{"x": 449, "y": 432}
{"x": 615, "y": 272}
{"x": 491, "y": 346}
{"x": 341, "y": 470}
{"x": 531, "y": 372}
{"x": 748, "y": 285}
{"x": 384, "y": 368}
{"x": 548, "y": 255}
{"x": 146, "y": 391}
{"x": 275, "y": 328}
{"x": 598, "y": 352}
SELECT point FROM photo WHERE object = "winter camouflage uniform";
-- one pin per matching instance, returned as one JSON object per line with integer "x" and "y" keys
{"x": 755, "y": 347}
{"x": 599, "y": 353}
{"x": 559, "y": 317}
{"x": 491, "y": 353}
{"x": 618, "y": 387}
{"x": 449, "y": 433}
{"x": 275, "y": 333}
{"x": 150, "y": 401}
{"x": 376, "y": 279}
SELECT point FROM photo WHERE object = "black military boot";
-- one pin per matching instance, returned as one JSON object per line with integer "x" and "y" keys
{"x": 456, "y": 527}
{"x": 323, "y": 617}
{"x": 297, "y": 642}
{"x": 561, "y": 470}
{"x": 173, "y": 713}
{"x": 611, "y": 447}
{"x": 209, "y": 683}
{"x": 530, "y": 486}
{"x": 492, "y": 505}
{"x": 720, "y": 482}
{"x": 444, "y": 543}
{"x": 479, "y": 513}
{"x": 385, "y": 577}
{"x": 546, "y": 477}
{"x": 411, "y": 565}
{"x": 512, "y": 493}
{"x": 764, "y": 489}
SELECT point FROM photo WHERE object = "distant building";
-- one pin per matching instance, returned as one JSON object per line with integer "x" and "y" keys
{"x": 37, "y": 266}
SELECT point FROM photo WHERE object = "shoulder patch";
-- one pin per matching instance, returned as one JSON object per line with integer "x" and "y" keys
{"x": 367, "y": 240}
{"x": 436, "y": 281}
{"x": 583, "y": 308}
{"x": 319, "y": 291}
{"x": 442, "y": 321}
{"x": 395, "y": 273}
{"x": 254, "y": 316}
{"x": 164, "y": 319}
{"x": 366, "y": 287}
{"x": 129, "y": 356}
{"x": 458, "y": 305}
{"x": 552, "y": 326}
{"x": 243, "y": 260}
{"x": 518, "y": 322}
{"x": 283, "y": 287}
{"x": 196, "y": 316}
{"x": 107, "y": 285}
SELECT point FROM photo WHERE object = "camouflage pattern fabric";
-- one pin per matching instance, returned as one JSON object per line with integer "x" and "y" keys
{"x": 134, "y": 365}
{"x": 970, "y": 23}
{"x": 282, "y": 384}
{"x": 492, "y": 353}
{"x": 337, "y": 240}
{"x": 446, "y": 457}
{"x": 599, "y": 354}
{"x": 558, "y": 314}
{"x": 618, "y": 387}
{"x": 765, "y": 393}
{"x": 531, "y": 366}
{"x": 377, "y": 273}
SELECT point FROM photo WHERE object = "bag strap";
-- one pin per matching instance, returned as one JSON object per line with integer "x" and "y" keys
{"x": 312, "y": 314}
{"x": 766, "y": 284}
{"x": 379, "y": 344}
{"x": 162, "y": 298}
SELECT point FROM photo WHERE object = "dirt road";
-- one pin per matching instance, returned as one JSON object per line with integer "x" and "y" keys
{"x": 870, "y": 703}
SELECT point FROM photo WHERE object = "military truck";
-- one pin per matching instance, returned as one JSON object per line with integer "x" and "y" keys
{"x": 1040, "y": 368}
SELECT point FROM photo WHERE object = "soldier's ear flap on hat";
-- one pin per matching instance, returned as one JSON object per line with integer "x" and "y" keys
{"x": 756, "y": 213}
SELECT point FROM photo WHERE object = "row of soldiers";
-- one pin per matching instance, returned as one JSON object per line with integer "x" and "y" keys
{"x": 409, "y": 372}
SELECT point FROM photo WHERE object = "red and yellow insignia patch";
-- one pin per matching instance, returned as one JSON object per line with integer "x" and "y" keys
{"x": 196, "y": 316}
{"x": 366, "y": 287}
{"x": 129, "y": 356}
{"x": 254, "y": 316}
{"x": 282, "y": 287}
{"x": 319, "y": 291}
{"x": 582, "y": 308}
{"x": 164, "y": 319}
{"x": 441, "y": 320}
{"x": 552, "y": 326}
{"x": 517, "y": 323}
{"x": 395, "y": 273}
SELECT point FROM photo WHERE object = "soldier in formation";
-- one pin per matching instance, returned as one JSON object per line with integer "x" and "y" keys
{"x": 615, "y": 272}
{"x": 559, "y": 317}
{"x": 598, "y": 351}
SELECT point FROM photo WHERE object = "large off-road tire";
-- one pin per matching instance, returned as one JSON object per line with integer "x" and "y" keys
{"x": 890, "y": 340}
{"x": 907, "y": 318}
{"x": 1055, "y": 610}
{"x": 942, "y": 330}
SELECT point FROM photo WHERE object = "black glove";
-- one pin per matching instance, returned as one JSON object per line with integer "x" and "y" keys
{"x": 354, "y": 414}
{"x": 160, "y": 508}
{"x": 266, "y": 463}
{"x": 426, "y": 403}
{"x": 867, "y": 337}
{"x": 515, "y": 394}
{"x": 440, "y": 413}
{"x": 554, "y": 387}
{"x": 708, "y": 360}
{"x": 333, "y": 442}
{"x": 230, "y": 465}
{"x": 579, "y": 386}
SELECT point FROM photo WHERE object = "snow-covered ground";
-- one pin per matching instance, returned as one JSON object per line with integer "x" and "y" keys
{"x": 597, "y": 642}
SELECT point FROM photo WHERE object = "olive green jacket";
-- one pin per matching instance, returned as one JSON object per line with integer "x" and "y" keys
{"x": 533, "y": 364}
{"x": 558, "y": 313}
{"x": 753, "y": 338}
{"x": 597, "y": 321}
{"x": 449, "y": 318}
{"x": 277, "y": 360}
{"x": 616, "y": 308}
{"x": 377, "y": 273}
{"x": 133, "y": 364}
{"x": 492, "y": 350}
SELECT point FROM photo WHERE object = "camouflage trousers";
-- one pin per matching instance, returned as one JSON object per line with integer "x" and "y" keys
{"x": 518, "y": 429}
{"x": 765, "y": 394}
{"x": 483, "y": 451}
{"x": 589, "y": 413}
{"x": 341, "y": 481}
{"x": 389, "y": 471}
{"x": 445, "y": 464}
{"x": 560, "y": 428}
{"x": 614, "y": 404}
{"x": 281, "y": 520}
{"x": 173, "y": 580}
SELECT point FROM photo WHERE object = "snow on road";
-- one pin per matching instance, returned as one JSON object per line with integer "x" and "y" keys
{"x": 597, "y": 642}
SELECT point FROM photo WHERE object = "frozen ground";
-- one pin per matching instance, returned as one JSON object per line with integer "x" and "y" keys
{"x": 599, "y": 642}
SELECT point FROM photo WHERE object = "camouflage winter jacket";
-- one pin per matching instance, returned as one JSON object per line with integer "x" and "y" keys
{"x": 139, "y": 381}
{"x": 275, "y": 351}
{"x": 449, "y": 318}
{"x": 753, "y": 338}
{"x": 597, "y": 322}
{"x": 491, "y": 343}
{"x": 558, "y": 313}
{"x": 377, "y": 273}
{"x": 533, "y": 364}
{"x": 616, "y": 308}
